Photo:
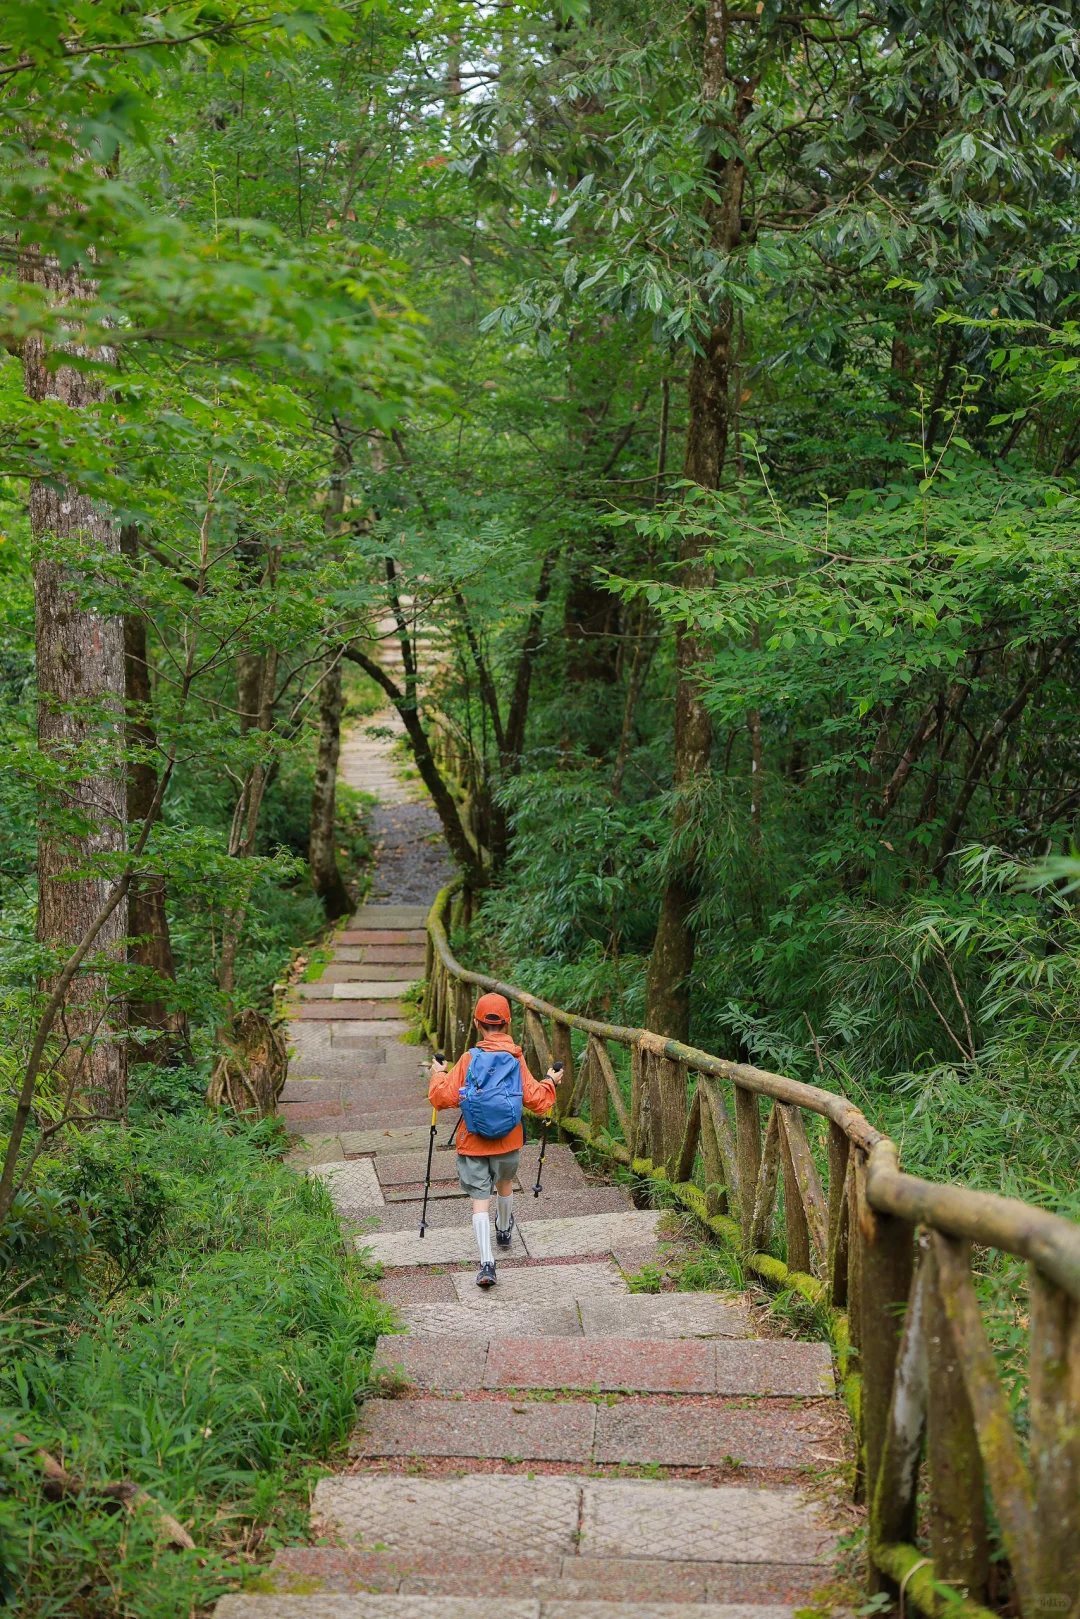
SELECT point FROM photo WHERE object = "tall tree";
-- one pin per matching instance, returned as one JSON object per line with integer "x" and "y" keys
{"x": 326, "y": 876}
{"x": 80, "y": 683}
{"x": 150, "y": 943}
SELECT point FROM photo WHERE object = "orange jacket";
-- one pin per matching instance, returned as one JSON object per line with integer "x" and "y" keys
{"x": 444, "y": 1088}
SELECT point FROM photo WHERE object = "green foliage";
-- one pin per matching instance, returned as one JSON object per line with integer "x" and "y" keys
{"x": 216, "y": 1373}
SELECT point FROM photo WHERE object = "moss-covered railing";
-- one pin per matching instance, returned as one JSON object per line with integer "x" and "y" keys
{"x": 887, "y": 1255}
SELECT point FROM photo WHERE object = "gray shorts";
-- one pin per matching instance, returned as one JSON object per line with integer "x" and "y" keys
{"x": 477, "y": 1176}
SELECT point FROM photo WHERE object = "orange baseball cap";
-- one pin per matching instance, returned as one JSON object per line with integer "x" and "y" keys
{"x": 492, "y": 1009}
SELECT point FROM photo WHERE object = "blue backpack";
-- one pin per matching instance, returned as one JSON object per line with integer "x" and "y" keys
{"x": 490, "y": 1099}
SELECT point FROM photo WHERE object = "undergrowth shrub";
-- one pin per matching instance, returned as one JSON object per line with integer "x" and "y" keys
{"x": 218, "y": 1372}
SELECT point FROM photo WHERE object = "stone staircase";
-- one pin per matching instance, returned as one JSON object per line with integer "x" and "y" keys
{"x": 562, "y": 1445}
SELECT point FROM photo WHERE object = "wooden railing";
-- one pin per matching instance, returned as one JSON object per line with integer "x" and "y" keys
{"x": 886, "y": 1254}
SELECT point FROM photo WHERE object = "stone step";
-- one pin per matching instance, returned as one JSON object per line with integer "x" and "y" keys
{"x": 391, "y": 1139}
{"x": 348, "y": 1048}
{"x": 353, "y": 1186}
{"x": 554, "y": 1204}
{"x": 608, "y": 1587}
{"x": 591, "y": 1312}
{"x": 346, "y": 1058}
{"x": 390, "y": 916}
{"x": 371, "y": 989}
{"x": 361, "y": 989}
{"x": 369, "y": 1121}
{"x": 383, "y": 1087}
{"x": 411, "y": 1198}
{"x": 496, "y": 1320}
{"x": 381, "y": 1045}
{"x": 385, "y": 955}
{"x": 555, "y": 1517}
{"x": 358, "y": 1121}
{"x": 308, "y": 1151}
{"x": 359, "y": 972}
{"x": 740, "y": 1367}
{"x": 382, "y": 936}
{"x": 349, "y": 1011}
{"x": 373, "y": 1090}
{"x": 356, "y": 1113}
{"x": 369, "y": 1605}
{"x": 539, "y": 1284}
{"x": 561, "y": 1167}
{"x": 373, "y": 1042}
{"x": 692, "y": 1433}
{"x": 538, "y": 1239}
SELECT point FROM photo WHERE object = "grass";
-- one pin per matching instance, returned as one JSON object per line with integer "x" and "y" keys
{"x": 217, "y": 1365}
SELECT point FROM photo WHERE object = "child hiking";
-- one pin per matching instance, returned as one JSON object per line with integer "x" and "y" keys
{"x": 490, "y": 1084}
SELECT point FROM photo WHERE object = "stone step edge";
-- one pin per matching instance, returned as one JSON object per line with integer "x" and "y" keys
{"x": 427, "y": 1573}
{"x": 371, "y": 1605}
{"x": 737, "y": 1368}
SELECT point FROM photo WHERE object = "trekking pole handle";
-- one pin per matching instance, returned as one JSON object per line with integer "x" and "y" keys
{"x": 556, "y": 1068}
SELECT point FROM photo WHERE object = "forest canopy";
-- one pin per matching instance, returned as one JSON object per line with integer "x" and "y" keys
{"x": 690, "y": 394}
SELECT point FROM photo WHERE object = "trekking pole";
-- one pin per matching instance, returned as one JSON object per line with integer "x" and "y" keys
{"x": 557, "y": 1068}
{"x": 430, "y": 1149}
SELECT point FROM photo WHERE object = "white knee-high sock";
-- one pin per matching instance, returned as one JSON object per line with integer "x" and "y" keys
{"x": 482, "y": 1232}
{"x": 504, "y": 1211}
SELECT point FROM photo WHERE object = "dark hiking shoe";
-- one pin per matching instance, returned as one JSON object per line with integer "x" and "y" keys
{"x": 485, "y": 1276}
{"x": 502, "y": 1238}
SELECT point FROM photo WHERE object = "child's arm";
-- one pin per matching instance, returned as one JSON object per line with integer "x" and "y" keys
{"x": 538, "y": 1095}
{"x": 447, "y": 1082}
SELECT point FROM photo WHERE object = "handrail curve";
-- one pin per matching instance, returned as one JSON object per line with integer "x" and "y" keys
{"x": 1048, "y": 1240}
{"x": 886, "y": 1253}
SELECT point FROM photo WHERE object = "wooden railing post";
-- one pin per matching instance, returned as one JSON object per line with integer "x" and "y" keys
{"x": 856, "y": 1169}
{"x": 1054, "y": 1382}
{"x": 957, "y": 1508}
{"x": 598, "y": 1091}
{"x": 796, "y": 1228}
{"x": 893, "y": 1509}
{"x": 684, "y": 1167}
{"x": 811, "y": 1200}
{"x": 764, "y": 1193}
{"x": 603, "y": 1067}
{"x": 669, "y": 1119}
{"x": 716, "y": 1188}
{"x": 839, "y": 1147}
{"x": 999, "y": 1446}
{"x": 562, "y": 1050}
{"x": 639, "y": 1085}
{"x": 439, "y": 1019}
{"x": 887, "y": 1247}
{"x": 748, "y": 1147}
{"x": 463, "y": 1019}
{"x": 429, "y": 979}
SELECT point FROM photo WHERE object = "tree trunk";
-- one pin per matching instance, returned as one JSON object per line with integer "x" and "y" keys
{"x": 322, "y": 850}
{"x": 667, "y": 983}
{"x": 150, "y": 944}
{"x": 244, "y": 833}
{"x": 80, "y": 686}
{"x": 326, "y": 878}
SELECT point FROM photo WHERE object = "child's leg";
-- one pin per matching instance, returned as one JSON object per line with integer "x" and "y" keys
{"x": 474, "y": 1177}
{"x": 505, "y": 1169}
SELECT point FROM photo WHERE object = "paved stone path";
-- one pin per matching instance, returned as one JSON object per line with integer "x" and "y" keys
{"x": 502, "y": 1453}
